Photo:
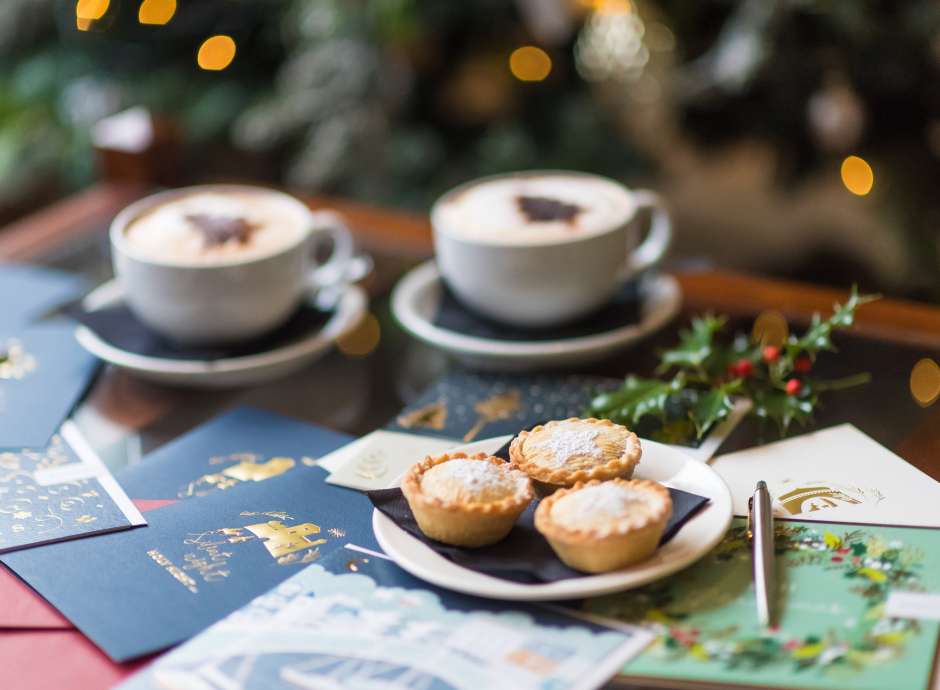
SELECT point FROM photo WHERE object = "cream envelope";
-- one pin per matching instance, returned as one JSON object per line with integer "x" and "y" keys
{"x": 834, "y": 475}
{"x": 376, "y": 460}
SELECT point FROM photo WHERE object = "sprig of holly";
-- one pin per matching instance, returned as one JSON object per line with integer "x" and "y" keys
{"x": 707, "y": 376}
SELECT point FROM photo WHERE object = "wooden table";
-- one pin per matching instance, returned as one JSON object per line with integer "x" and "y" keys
{"x": 357, "y": 394}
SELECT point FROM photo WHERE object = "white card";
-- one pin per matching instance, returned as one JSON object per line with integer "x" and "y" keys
{"x": 837, "y": 474}
{"x": 376, "y": 460}
{"x": 919, "y": 605}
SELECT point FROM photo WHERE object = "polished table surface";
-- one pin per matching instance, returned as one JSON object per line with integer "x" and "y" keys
{"x": 126, "y": 418}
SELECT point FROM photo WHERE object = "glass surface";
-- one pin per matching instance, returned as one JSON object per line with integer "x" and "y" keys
{"x": 125, "y": 418}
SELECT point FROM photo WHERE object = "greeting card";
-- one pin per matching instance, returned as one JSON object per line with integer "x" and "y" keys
{"x": 140, "y": 591}
{"x": 357, "y": 621}
{"x": 43, "y": 373}
{"x": 59, "y": 492}
{"x": 834, "y": 581}
{"x": 243, "y": 446}
{"x": 30, "y": 292}
{"x": 835, "y": 474}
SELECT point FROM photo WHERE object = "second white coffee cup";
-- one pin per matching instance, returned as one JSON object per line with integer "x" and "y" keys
{"x": 540, "y": 248}
{"x": 232, "y": 298}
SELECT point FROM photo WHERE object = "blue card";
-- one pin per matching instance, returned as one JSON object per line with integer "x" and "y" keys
{"x": 356, "y": 621}
{"x": 471, "y": 406}
{"x": 244, "y": 445}
{"x": 43, "y": 374}
{"x": 140, "y": 591}
{"x": 29, "y": 292}
{"x": 59, "y": 492}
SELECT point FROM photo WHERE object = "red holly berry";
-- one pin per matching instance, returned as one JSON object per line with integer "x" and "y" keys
{"x": 771, "y": 353}
{"x": 741, "y": 368}
{"x": 794, "y": 386}
{"x": 802, "y": 364}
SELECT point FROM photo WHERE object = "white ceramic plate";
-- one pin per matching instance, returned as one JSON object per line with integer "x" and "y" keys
{"x": 235, "y": 371}
{"x": 416, "y": 298}
{"x": 660, "y": 463}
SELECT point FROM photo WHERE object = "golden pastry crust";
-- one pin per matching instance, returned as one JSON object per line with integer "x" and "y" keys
{"x": 607, "y": 544}
{"x": 465, "y": 522}
{"x": 613, "y": 462}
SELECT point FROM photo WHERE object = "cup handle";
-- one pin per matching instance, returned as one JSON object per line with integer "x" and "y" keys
{"x": 334, "y": 270}
{"x": 651, "y": 250}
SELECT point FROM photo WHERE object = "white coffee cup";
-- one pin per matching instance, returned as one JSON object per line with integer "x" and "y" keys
{"x": 235, "y": 293}
{"x": 525, "y": 272}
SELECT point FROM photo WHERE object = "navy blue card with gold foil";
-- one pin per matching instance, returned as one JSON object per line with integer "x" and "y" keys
{"x": 29, "y": 292}
{"x": 473, "y": 406}
{"x": 59, "y": 492}
{"x": 43, "y": 374}
{"x": 139, "y": 591}
{"x": 244, "y": 445}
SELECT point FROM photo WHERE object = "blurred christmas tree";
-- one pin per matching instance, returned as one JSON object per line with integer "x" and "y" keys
{"x": 390, "y": 100}
{"x": 397, "y": 100}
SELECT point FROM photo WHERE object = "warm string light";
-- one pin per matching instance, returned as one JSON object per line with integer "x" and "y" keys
{"x": 857, "y": 175}
{"x": 156, "y": 12}
{"x": 770, "y": 328}
{"x": 530, "y": 63}
{"x": 362, "y": 340}
{"x": 88, "y": 11}
{"x": 925, "y": 382}
{"x": 216, "y": 53}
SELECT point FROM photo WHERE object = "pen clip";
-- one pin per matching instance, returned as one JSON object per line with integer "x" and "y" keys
{"x": 750, "y": 517}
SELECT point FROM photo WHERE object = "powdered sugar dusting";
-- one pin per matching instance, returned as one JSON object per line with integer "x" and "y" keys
{"x": 472, "y": 480}
{"x": 567, "y": 440}
{"x": 599, "y": 505}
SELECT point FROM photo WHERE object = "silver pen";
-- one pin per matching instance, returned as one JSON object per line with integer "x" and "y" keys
{"x": 760, "y": 527}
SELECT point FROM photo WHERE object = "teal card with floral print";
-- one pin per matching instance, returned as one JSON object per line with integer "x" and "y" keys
{"x": 832, "y": 632}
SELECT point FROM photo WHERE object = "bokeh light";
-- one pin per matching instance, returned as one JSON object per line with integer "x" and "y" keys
{"x": 925, "y": 382}
{"x": 362, "y": 340}
{"x": 857, "y": 175}
{"x": 770, "y": 328}
{"x": 88, "y": 11}
{"x": 216, "y": 53}
{"x": 530, "y": 63}
{"x": 156, "y": 12}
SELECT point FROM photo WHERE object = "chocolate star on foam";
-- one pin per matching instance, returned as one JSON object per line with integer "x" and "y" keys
{"x": 541, "y": 209}
{"x": 218, "y": 230}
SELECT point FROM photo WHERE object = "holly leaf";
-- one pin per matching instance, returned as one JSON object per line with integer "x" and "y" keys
{"x": 783, "y": 409}
{"x": 695, "y": 344}
{"x": 635, "y": 399}
{"x": 819, "y": 335}
{"x": 711, "y": 407}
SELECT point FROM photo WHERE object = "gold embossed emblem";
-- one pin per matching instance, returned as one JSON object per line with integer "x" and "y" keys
{"x": 502, "y": 406}
{"x": 372, "y": 466}
{"x": 15, "y": 361}
{"x": 281, "y": 540}
{"x": 247, "y": 467}
{"x": 433, "y": 416}
{"x": 816, "y": 496}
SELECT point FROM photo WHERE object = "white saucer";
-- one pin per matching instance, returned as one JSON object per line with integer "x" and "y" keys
{"x": 660, "y": 463}
{"x": 220, "y": 373}
{"x": 417, "y": 296}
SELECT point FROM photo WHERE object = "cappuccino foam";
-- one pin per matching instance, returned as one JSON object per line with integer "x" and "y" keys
{"x": 534, "y": 209}
{"x": 218, "y": 227}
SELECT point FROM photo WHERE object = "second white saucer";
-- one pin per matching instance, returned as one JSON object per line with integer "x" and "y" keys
{"x": 417, "y": 297}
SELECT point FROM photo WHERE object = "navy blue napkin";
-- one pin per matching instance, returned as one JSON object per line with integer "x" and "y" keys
{"x": 119, "y": 327}
{"x": 622, "y": 310}
{"x": 523, "y": 556}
